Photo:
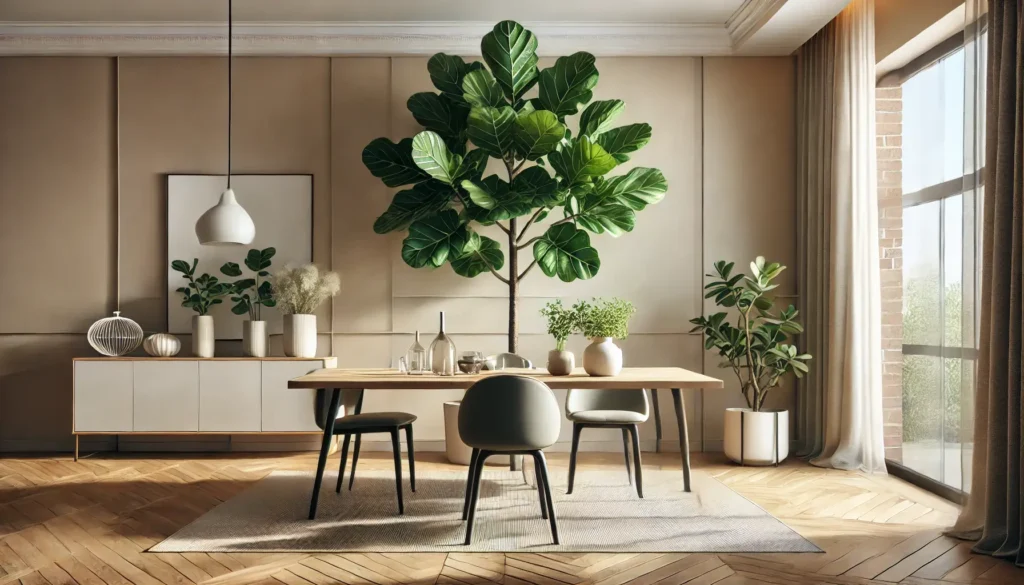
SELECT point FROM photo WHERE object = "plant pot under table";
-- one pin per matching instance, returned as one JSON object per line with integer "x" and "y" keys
{"x": 756, "y": 438}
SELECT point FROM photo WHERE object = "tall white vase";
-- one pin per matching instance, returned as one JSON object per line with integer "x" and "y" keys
{"x": 602, "y": 357}
{"x": 300, "y": 336}
{"x": 202, "y": 336}
{"x": 254, "y": 338}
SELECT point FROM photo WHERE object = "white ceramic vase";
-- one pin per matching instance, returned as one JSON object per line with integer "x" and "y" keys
{"x": 202, "y": 336}
{"x": 254, "y": 338}
{"x": 753, "y": 438}
{"x": 300, "y": 336}
{"x": 602, "y": 357}
{"x": 162, "y": 345}
{"x": 457, "y": 452}
{"x": 560, "y": 362}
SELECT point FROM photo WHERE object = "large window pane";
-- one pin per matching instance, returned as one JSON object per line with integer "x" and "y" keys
{"x": 922, "y": 414}
{"x": 922, "y": 324}
{"x": 933, "y": 124}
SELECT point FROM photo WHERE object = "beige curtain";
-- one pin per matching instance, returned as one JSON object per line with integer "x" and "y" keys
{"x": 840, "y": 411}
{"x": 994, "y": 514}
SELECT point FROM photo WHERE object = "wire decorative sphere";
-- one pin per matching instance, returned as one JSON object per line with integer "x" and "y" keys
{"x": 115, "y": 336}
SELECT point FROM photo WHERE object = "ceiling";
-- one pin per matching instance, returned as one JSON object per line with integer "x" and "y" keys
{"x": 387, "y": 27}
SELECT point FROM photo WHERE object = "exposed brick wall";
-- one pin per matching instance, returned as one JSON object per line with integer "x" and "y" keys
{"x": 889, "y": 123}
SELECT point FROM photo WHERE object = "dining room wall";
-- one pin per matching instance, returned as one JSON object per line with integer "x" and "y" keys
{"x": 76, "y": 132}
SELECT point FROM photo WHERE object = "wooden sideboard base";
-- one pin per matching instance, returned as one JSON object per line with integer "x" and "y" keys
{"x": 334, "y": 443}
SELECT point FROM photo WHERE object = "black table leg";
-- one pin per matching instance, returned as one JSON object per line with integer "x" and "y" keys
{"x": 657, "y": 420}
{"x": 684, "y": 440}
{"x": 325, "y": 447}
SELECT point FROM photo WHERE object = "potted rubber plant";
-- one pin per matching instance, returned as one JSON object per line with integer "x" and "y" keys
{"x": 299, "y": 291}
{"x": 753, "y": 343}
{"x": 562, "y": 322}
{"x": 603, "y": 321}
{"x": 250, "y": 295}
{"x": 200, "y": 294}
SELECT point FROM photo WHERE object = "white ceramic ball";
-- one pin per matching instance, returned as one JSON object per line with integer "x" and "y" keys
{"x": 162, "y": 345}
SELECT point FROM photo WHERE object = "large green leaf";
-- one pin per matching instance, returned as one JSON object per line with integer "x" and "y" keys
{"x": 537, "y": 133}
{"x": 565, "y": 252}
{"x": 580, "y": 161}
{"x": 430, "y": 154}
{"x": 486, "y": 252}
{"x": 568, "y": 84}
{"x": 495, "y": 196}
{"x": 392, "y": 162}
{"x": 480, "y": 89}
{"x": 604, "y": 215}
{"x": 491, "y": 129}
{"x": 435, "y": 239}
{"x": 599, "y": 116}
{"x": 409, "y": 205}
{"x": 618, "y": 141}
{"x": 537, "y": 186}
{"x": 447, "y": 73}
{"x": 510, "y": 51}
{"x": 438, "y": 113}
{"x": 473, "y": 165}
{"x": 636, "y": 189}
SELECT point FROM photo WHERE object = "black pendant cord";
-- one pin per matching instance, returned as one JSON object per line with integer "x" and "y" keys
{"x": 230, "y": 38}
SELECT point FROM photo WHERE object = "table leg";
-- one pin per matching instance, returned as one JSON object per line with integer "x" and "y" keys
{"x": 684, "y": 440}
{"x": 657, "y": 420}
{"x": 325, "y": 446}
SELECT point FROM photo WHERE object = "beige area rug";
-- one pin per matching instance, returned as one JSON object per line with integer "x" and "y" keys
{"x": 603, "y": 514}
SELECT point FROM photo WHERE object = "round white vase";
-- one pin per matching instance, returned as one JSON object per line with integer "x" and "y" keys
{"x": 300, "y": 336}
{"x": 162, "y": 345}
{"x": 254, "y": 338}
{"x": 202, "y": 336}
{"x": 561, "y": 363}
{"x": 602, "y": 357}
{"x": 754, "y": 438}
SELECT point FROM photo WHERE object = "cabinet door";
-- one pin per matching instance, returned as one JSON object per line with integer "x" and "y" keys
{"x": 284, "y": 409}
{"x": 166, "y": 396}
{"x": 229, "y": 396}
{"x": 103, "y": 396}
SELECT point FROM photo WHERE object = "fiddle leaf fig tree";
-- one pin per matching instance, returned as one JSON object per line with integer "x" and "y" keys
{"x": 554, "y": 190}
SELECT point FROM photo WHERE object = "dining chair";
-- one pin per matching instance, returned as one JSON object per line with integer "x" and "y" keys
{"x": 359, "y": 423}
{"x": 620, "y": 409}
{"x": 508, "y": 415}
{"x": 500, "y": 362}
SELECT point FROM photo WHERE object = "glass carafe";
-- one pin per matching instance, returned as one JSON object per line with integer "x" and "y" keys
{"x": 442, "y": 353}
{"x": 416, "y": 357}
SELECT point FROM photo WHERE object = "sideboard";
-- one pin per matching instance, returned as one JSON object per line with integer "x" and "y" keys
{"x": 229, "y": 395}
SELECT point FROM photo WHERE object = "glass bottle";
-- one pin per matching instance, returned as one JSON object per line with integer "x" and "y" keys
{"x": 416, "y": 357}
{"x": 442, "y": 353}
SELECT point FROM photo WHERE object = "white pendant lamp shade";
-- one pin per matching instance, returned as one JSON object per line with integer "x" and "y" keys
{"x": 225, "y": 224}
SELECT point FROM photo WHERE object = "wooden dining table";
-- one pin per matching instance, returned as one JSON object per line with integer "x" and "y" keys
{"x": 335, "y": 380}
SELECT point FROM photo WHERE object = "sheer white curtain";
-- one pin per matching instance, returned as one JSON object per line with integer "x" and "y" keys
{"x": 841, "y": 408}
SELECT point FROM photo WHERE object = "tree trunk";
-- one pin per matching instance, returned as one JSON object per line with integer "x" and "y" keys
{"x": 513, "y": 289}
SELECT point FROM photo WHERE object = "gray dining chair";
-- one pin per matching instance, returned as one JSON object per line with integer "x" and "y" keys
{"x": 500, "y": 362}
{"x": 508, "y": 415}
{"x": 621, "y": 409}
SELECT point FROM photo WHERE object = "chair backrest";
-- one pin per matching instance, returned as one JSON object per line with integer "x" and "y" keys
{"x": 511, "y": 360}
{"x": 509, "y": 413}
{"x": 351, "y": 403}
{"x": 630, "y": 400}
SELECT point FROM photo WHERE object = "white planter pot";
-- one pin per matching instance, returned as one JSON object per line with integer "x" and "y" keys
{"x": 458, "y": 452}
{"x": 202, "y": 336}
{"x": 602, "y": 357}
{"x": 561, "y": 363}
{"x": 751, "y": 439}
{"x": 254, "y": 338}
{"x": 300, "y": 336}
{"x": 162, "y": 345}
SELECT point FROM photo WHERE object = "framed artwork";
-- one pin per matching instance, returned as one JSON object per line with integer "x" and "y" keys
{"x": 281, "y": 206}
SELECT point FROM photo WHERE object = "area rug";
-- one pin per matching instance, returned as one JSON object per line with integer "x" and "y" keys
{"x": 603, "y": 514}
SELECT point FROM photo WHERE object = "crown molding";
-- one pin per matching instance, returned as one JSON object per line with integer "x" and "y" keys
{"x": 370, "y": 38}
{"x": 749, "y": 18}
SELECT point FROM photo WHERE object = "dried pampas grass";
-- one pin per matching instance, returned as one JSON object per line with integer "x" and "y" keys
{"x": 300, "y": 290}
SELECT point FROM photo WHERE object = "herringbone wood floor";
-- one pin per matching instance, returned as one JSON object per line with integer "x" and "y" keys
{"x": 90, "y": 522}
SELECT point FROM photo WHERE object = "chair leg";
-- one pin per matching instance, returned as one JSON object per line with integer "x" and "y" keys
{"x": 473, "y": 459}
{"x": 412, "y": 456}
{"x": 576, "y": 428}
{"x": 625, "y": 452}
{"x": 477, "y": 472}
{"x": 540, "y": 488}
{"x": 398, "y": 468}
{"x": 344, "y": 456}
{"x": 638, "y": 471}
{"x": 539, "y": 457}
{"x": 355, "y": 459}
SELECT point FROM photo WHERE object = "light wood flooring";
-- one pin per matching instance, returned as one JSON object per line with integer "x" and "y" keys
{"x": 91, "y": 521}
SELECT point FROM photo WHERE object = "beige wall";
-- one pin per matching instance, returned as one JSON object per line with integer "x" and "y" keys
{"x": 898, "y": 21}
{"x": 731, "y": 196}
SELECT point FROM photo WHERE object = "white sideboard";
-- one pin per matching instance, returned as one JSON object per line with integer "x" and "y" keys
{"x": 128, "y": 395}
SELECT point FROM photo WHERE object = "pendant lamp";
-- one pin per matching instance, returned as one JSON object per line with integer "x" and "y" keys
{"x": 227, "y": 223}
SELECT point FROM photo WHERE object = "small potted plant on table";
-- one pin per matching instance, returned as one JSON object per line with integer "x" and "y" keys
{"x": 250, "y": 295}
{"x": 603, "y": 321}
{"x": 755, "y": 349}
{"x": 562, "y": 322}
{"x": 299, "y": 292}
{"x": 200, "y": 294}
